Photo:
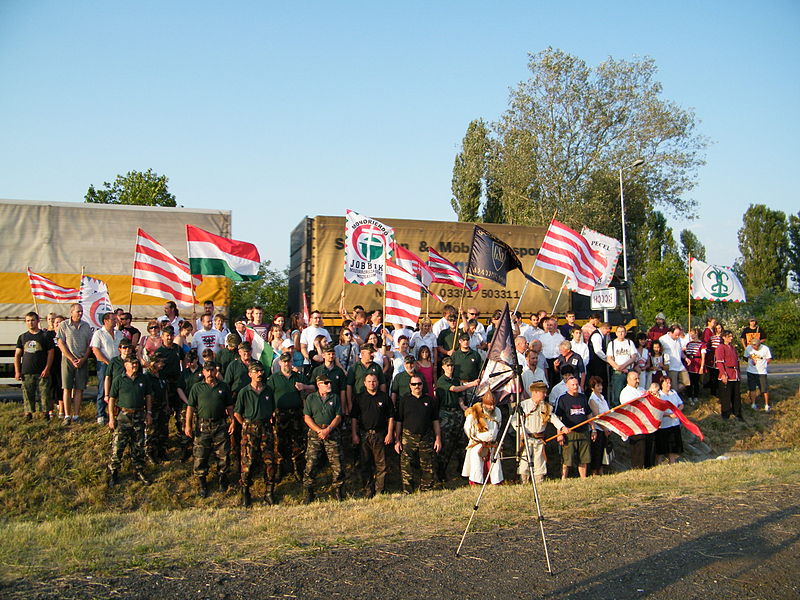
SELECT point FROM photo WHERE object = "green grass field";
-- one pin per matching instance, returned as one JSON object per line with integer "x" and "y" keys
{"x": 60, "y": 517}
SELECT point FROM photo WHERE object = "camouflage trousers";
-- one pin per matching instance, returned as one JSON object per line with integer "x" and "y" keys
{"x": 417, "y": 447}
{"x": 211, "y": 437}
{"x": 156, "y": 435}
{"x": 290, "y": 440}
{"x": 373, "y": 460}
{"x": 30, "y": 384}
{"x": 451, "y": 421}
{"x": 332, "y": 448}
{"x": 258, "y": 447}
{"x": 128, "y": 432}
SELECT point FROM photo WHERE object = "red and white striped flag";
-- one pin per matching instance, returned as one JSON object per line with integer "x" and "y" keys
{"x": 642, "y": 415}
{"x": 403, "y": 297}
{"x": 416, "y": 266}
{"x": 43, "y": 288}
{"x": 566, "y": 251}
{"x": 446, "y": 272}
{"x": 156, "y": 272}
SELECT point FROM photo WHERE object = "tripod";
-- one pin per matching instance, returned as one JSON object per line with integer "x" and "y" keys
{"x": 515, "y": 413}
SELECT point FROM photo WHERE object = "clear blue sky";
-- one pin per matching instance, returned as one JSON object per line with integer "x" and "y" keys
{"x": 279, "y": 111}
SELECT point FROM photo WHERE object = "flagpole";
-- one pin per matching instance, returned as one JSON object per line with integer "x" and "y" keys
{"x": 464, "y": 289}
{"x": 689, "y": 273}
{"x": 35, "y": 304}
{"x": 133, "y": 272}
{"x": 533, "y": 266}
{"x": 564, "y": 281}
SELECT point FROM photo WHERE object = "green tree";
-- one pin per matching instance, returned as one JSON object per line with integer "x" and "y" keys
{"x": 469, "y": 172}
{"x": 764, "y": 246}
{"x": 271, "y": 292}
{"x": 690, "y": 244}
{"x": 794, "y": 249}
{"x": 135, "y": 187}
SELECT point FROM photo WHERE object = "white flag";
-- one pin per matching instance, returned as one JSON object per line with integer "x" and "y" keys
{"x": 715, "y": 283}
{"x": 368, "y": 243}
{"x": 95, "y": 301}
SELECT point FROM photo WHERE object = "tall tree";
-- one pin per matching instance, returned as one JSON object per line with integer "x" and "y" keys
{"x": 469, "y": 172}
{"x": 764, "y": 246}
{"x": 135, "y": 187}
{"x": 794, "y": 249}
{"x": 690, "y": 244}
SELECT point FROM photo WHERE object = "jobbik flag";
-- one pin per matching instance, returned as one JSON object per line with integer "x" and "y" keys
{"x": 643, "y": 415}
{"x": 214, "y": 255}
{"x": 491, "y": 258}
{"x": 367, "y": 245}
{"x": 94, "y": 300}
{"x": 260, "y": 350}
{"x": 500, "y": 372}
{"x": 714, "y": 283}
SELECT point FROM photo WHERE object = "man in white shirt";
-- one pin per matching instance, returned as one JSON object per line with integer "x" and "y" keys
{"x": 642, "y": 445}
{"x": 444, "y": 323}
{"x": 310, "y": 333}
{"x": 551, "y": 340}
{"x": 171, "y": 316}
{"x": 534, "y": 372}
{"x": 521, "y": 346}
{"x": 207, "y": 338}
{"x": 673, "y": 346}
{"x": 105, "y": 346}
{"x": 758, "y": 357}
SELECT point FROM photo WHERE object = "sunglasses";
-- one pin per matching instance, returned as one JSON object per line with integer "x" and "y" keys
{"x": 415, "y": 384}
{"x": 324, "y": 382}
{"x": 347, "y": 335}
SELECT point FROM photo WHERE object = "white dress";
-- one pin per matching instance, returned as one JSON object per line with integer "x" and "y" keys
{"x": 473, "y": 461}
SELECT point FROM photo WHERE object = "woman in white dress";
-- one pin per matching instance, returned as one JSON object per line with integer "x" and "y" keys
{"x": 482, "y": 427}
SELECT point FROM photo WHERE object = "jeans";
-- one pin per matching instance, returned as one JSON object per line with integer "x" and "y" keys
{"x": 101, "y": 394}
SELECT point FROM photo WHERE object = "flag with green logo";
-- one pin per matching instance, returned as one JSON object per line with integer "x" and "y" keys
{"x": 714, "y": 283}
{"x": 367, "y": 245}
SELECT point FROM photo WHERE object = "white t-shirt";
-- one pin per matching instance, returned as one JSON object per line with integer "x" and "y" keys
{"x": 629, "y": 394}
{"x": 418, "y": 341}
{"x": 598, "y": 405}
{"x": 675, "y": 399}
{"x": 406, "y": 331}
{"x": 176, "y": 322}
{"x": 528, "y": 377}
{"x": 581, "y": 349}
{"x": 757, "y": 360}
{"x": 550, "y": 343}
{"x": 108, "y": 343}
{"x": 622, "y": 351}
{"x": 674, "y": 348}
{"x": 211, "y": 339}
{"x": 308, "y": 336}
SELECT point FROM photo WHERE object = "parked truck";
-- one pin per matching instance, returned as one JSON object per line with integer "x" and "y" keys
{"x": 60, "y": 239}
{"x": 316, "y": 270}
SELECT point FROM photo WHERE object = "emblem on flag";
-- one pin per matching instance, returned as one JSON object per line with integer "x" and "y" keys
{"x": 714, "y": 283}
{"x": 368, "y": 243}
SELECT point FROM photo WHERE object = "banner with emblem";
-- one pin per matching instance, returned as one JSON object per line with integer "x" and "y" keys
{"x": 491, "y": 258}
{"x": 95, "y": 300}
{"x": 714, "y": 283}
{"x": 368, "y": 243}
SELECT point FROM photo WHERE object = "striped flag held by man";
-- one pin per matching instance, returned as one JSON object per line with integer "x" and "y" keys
{"x": 402, "y": 295}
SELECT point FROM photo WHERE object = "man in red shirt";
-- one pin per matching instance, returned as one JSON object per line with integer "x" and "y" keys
{"x": 727, "y": 361}
{"x": 659, "y": 329}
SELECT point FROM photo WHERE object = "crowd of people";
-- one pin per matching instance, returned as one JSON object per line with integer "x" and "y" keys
{"x": 377, "y": 392}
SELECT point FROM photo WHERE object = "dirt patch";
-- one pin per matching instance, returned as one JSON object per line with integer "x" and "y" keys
{"x": 745, "y": 546}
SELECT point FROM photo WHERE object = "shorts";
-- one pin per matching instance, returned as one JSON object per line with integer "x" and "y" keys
{"x": 669, "y": 440}
{"x": 72, "y": 378}
{"x": 576, "y": 451}
{"x": 679, "y": 377}
{"x": 757, "y": 381}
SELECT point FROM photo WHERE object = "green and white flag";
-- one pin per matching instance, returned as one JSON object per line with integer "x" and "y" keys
{"x": 213, "y": 255}
{"x": 368, "y": 243}
{"x": 261, "y": 350}
{"x": 715, "y": 283}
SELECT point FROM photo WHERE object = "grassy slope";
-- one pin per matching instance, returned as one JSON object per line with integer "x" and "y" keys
{"x": 59, "y": 511}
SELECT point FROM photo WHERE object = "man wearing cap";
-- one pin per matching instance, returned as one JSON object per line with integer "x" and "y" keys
{"x": 536, "y": 414}
{"x": 285, "y": 387}
{"x": 372, "y": 427}
{"x": 417, "y": 435}
{"x": 357, "y": 373}
{"x": 156, "y": 434}
{"x": 400, "y": 384}
{"x": 445, "y": 340}
{"x": 237, "y": 377}
{"x": 450, "y": 395}
{"x": 659, "y": 329}
{"x": 171, "y": 372}
{"x": 329, "y": 368}
{"x": 253, "y": 411}
{"x": 129, "y": 412}
{"x": 190, "y": 375}
{"x": 323, "y": 415}
{"x": 467, "y": 362}
{"x": 229, "y": 353}
{"x": 212, "y": 402}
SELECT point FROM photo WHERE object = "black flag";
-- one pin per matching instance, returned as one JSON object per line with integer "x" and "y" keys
{"x": 491, "y": 258}
{"x": 500, "y": 372}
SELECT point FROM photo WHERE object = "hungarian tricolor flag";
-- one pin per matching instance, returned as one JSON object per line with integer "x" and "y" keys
{"x": 213, "y": 255}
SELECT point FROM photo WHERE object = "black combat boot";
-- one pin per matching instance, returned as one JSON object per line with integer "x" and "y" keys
{"x": 223, "y": 483}
{"x": 113, "y": 478}
{"x": 308, "y": 495}
{"x": 269, "y": 496}
{"x": 142, "y": 477}
{"x": 202, "y": 490}
{"x": 246, "y": 499}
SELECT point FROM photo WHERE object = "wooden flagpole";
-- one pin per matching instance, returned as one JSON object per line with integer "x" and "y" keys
{"x": 35, "y": 304}
{"x": 559, "y": 295}
{"x": 689, "y": 276}
{"x": 133, "y": 272}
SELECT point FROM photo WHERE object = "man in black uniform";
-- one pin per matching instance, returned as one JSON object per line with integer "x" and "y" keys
{"x": 211, "y": 400}
{"x": 323, "y": 415}
{"x": 417, "y": 434}
{"x": 400, "y": 383}
{"x": 129, "y": 412}
{"x": 253, "y": 412}
{"x": 372, "y": 427}
{"x": 157, "y": 433}
{"x": 450, "y": 395}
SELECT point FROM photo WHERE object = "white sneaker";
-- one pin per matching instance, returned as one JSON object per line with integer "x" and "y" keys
{"x": 101, "y": 420}
{"x": 766, "y": 408}
{"x": 754, "y": 406}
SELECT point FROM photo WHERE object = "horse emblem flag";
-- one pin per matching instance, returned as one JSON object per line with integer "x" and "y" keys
{"x": 368, "y": 243}
{"x": 714, "y": 283}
